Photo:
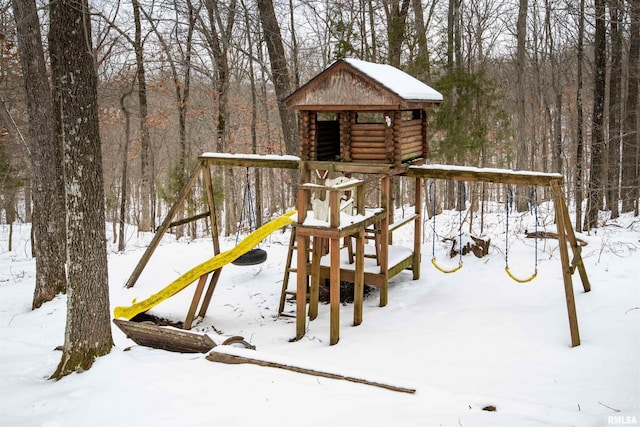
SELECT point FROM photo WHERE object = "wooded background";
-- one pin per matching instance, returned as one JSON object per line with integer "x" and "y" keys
{"x": 549, "y": 86}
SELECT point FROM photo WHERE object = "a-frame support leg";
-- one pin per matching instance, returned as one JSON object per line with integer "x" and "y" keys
{"x": 195, "y": 301}
{"x": 563, "y": 225}
{"x": 191, "y": 314}
{"x": 573, "y": 241}
{"x": 163, "y": 228}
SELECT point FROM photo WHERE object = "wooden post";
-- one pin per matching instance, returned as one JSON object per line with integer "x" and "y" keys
{"x": 301, "y": 286}
{"x": 209, "y": 294}
{"x": 566, "y": 269}
{"x": 334, "y": 274}
{"x": 358, "y": 286}
{"x": 163, "y": 228}
{"x": 575, "y": 247}
{"x": 360, "y": 199}
{"x": 206, "y": 170}
{"x": 384, "y": 237}
{"x": 316, "y": 254}
{"x": 417, "y": 230}
{"x": 302, "y": 257}
{"x": 195, "y": 301}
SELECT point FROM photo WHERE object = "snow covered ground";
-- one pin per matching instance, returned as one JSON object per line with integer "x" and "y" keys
{"x": 464, "y": 341}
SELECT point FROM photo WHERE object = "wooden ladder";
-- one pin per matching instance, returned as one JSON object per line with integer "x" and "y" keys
{"x": 287, "y": 274}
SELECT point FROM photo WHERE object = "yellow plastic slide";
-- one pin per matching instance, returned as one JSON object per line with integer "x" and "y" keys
{"x": 206, "y": 267}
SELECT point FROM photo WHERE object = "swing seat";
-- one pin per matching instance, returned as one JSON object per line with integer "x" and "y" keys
{"x": 253, "y": 257}
{"x": 444, "y": 270}
{"x": 519, "y": 280}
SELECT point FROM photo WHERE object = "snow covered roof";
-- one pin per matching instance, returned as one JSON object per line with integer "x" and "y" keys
{"x": 399, "y": 82}
{"x": 353, "y": 84}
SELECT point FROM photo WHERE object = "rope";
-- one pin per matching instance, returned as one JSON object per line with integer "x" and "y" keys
{"x": 247, "y": 200}
{"x": 432, "y": 198}
{"x": 533, "y": 206}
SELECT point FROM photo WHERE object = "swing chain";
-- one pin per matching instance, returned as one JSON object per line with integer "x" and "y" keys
{"x": 533, "y": 209}
{"x": 247, "y": 201}
{"x": 432, "y": 198}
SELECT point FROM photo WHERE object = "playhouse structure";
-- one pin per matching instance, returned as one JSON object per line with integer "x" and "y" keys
{"x": 360, "y": 125}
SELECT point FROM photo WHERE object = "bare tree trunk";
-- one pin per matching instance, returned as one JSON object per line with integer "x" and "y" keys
{"x": 580, "y": 120}
{"x": 88, "y": 328}
{"x": 396, "y": 12}
{"x": 281, "y": 80}
{"x": 451, "y": 25}
{"x": 522, "y": 153}
{"x": 630, "y": 139}
{"x": 220, "y": 45}
{"x": 254, "y": 119}
{"x": 27, "y": 201}
{"x": 280, "y": 74}
{"x": 422, "y": 61}
{"x": 615, "y": 111}
{"x": 146, "y": 172}
{"x": 556, "y": 121}
{"x": 374, "y": 39}
{"x": 294, "y": 46}
{"x": 46, "y": 159}
{"x": 182, "y": 87}
{"x": 596, "y": 172}
{"x": 125, "y": 167}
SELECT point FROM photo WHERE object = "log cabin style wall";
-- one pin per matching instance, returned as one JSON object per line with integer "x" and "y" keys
{"x": 392, "y": 137}
{"x": 360, "y": 112}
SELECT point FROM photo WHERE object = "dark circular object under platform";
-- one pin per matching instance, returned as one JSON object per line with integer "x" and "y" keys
{"x": 253, "y": 257}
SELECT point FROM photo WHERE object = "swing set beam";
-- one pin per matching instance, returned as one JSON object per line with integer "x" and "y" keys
{"x": 566, "y": 234}
{"x": 473, "y": 174}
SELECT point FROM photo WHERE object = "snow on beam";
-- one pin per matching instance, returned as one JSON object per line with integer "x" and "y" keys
{"x": 468, "y": 173}
{"x": 251, "y": 160}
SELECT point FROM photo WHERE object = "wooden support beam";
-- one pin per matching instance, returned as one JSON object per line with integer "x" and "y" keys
{"x": 334, "y": 291}
{"x": 303, "y": 248}
{"x": 385, "y": 189}
{"x": 358, "y": 285}
{"x": 191, "y": 314}
{"x": 351, "y": 167}
{"x": 564, "y": 259}
{"x": 206, "y": 170}
{"x": 471, "y": 174}
{"x": 404, "y": 221}
{"x": 207, "y": 297}
{"x": 163, "y": 228}
{"x": 251, "y": 160}
{"x": 190, "y": 219}
{"x": 417, "y": 230}
{"x": 314, "y": 294}
{"x": 575, "y": 245}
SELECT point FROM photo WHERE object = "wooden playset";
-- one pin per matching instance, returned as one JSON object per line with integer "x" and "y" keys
{"x": 360, "y": 125}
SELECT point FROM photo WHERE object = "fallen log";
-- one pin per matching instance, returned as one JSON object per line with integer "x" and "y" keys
{"x": 150, "y": 335}
{"x": 550, "y": 235}
{"x": 236, "y": 356}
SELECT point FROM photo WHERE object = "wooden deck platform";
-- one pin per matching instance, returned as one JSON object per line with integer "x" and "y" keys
{"x": 400, "y": 258}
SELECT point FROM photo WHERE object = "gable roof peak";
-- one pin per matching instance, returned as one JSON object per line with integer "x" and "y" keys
{"x": 402, "y": 84}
